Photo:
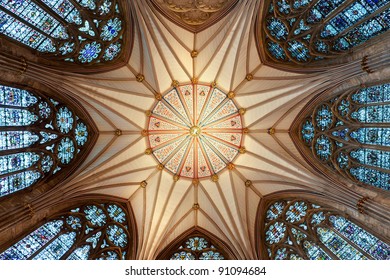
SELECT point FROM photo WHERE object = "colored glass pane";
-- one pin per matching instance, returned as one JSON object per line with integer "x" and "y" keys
{"x": 102, "y": 236}
{"x": 320, "y": 232}
{"x": 28, "y": 149}
{"x": 195, "y": 131}
{"x": 44, "y": 26}
{"x": 197, "y": 248}
{"x": 323, "y": 28}
{"x": 342, "y": 124}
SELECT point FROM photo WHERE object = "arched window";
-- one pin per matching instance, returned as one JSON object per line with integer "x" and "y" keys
{"x": 40, "y": 136}
{"x": 349, "y": 134}
{"x": 305, "y": 31}
{"x": 196, "y": 245}
{"x": 91, "y": 231}
{"x": 77, "y": 31}
{"x": 299, "y": 229}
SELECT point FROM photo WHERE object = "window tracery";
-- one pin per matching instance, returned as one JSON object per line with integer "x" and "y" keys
{"x": 299, "y": 229}
{"x": 350, "y": 135}
{"x": 77, "y": 31}
{"x": 197, "y": 248}
{"x": 306, "y": 31}
{"x": 91, "y": 231}
{"x": 39, "y": 137}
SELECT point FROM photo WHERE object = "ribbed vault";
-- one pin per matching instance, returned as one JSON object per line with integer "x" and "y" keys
{"x": 164, "y": 207}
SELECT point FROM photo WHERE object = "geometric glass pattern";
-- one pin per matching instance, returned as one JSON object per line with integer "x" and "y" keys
{"x": 298, "y": 229}
{"x": 195, "y": 130}
{"x": 304, "y": 31}
{"x": 197, "y": 248}
{"x": 81, "y": 31}
{"x": 350, "y": 134}
{"x": 92, "y": 231}
{"x": 39, "y": 136}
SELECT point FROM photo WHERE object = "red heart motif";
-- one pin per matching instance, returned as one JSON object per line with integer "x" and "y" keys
{"x": 157, "y": 124}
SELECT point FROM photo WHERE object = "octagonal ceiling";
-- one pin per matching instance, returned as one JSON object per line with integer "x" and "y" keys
{"x": 165, "y": 54}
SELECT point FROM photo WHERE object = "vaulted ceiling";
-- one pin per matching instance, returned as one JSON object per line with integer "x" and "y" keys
{"x": 118, "y": 101}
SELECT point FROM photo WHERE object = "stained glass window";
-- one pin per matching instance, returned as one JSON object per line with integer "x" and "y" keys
{"x": 195, "y": 130}
{"x": 39, "y": 137}
{"x": 86, "y": 32}
{"x": 197, "y": 247}
{"x": 308, "y": 30}
{"x": 350, "y": 134}
{"x": 92, "y": 231}
{"x": 298, "y": 229}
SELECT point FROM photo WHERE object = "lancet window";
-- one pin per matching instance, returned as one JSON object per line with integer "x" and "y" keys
{"x": 299, "y": 229}
{"x": 92, "y": 231}
{"x": 350, "y": 135}
{"x": 40, "y": 136}
{"x": 306, "y": 31}
{"x": 76, "y": 31}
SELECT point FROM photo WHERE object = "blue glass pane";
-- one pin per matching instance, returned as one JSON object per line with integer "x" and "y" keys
{"x": 366, "y": 241}
{"x": 323, "y": 147}
{"x": 16, "y": 162}
{"x": 57, "y": 248}
{"x": 277, "y": 29}
{"x": 298, "y": 51}
{"x": 24, "y": 249}
{"x": 183, "y": 256}
{"x": 373, "y": 114}
{"x": 89, "y": 52}
{"x": 296, "y": 211}
{"x": 116, "y": 213}
{"x": 275, "y": 210}
{"x": 276, "y": 50}
{"x": 16, "y": 139}
{"x": 211, "y": 255}
{"x": 81, "y": 253}
{"x": 275, "y": 233}
{"x": 33, "y": 14}
{"x": 376, "y": 94}
{"x": 19, "y": 181}
{"x": 111, "y": 29}
{"x": 196, "y": 244}
{"x": 90, "y": 4}
{"x": 371, "y": 177}
{"x": 66, "y": 150}
{"x": 81, "y": 133}
{"x": 16, "y": 97}
{"x": 95, "y": 215}
{"x": 324, "y": 117}
{"x": 338, "y": 245}
{"x": 372, "y": 157}
{"x": 65, "y": 9}
{"x": 314, "y": 252}
{"x": 117, "y": 235}
{"x": 372, "y": 136}
{"x": 349, "y": 24}
{"x": 16, "y": 117}
{"x": 64, "y": 120}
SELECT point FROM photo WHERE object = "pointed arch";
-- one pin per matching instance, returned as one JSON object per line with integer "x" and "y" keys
{"x": 297, "y": 225}
{"x": 44, "y": 136}
{"x": 344, "y": 133}
{"x": 197, "y": 244}
{"x": 70, "y": 35}
{"x": 310, "y": 35}
{"x": 86, "y": 228}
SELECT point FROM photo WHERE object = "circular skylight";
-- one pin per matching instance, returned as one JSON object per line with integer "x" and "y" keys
{"x": 195, "y": 130}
